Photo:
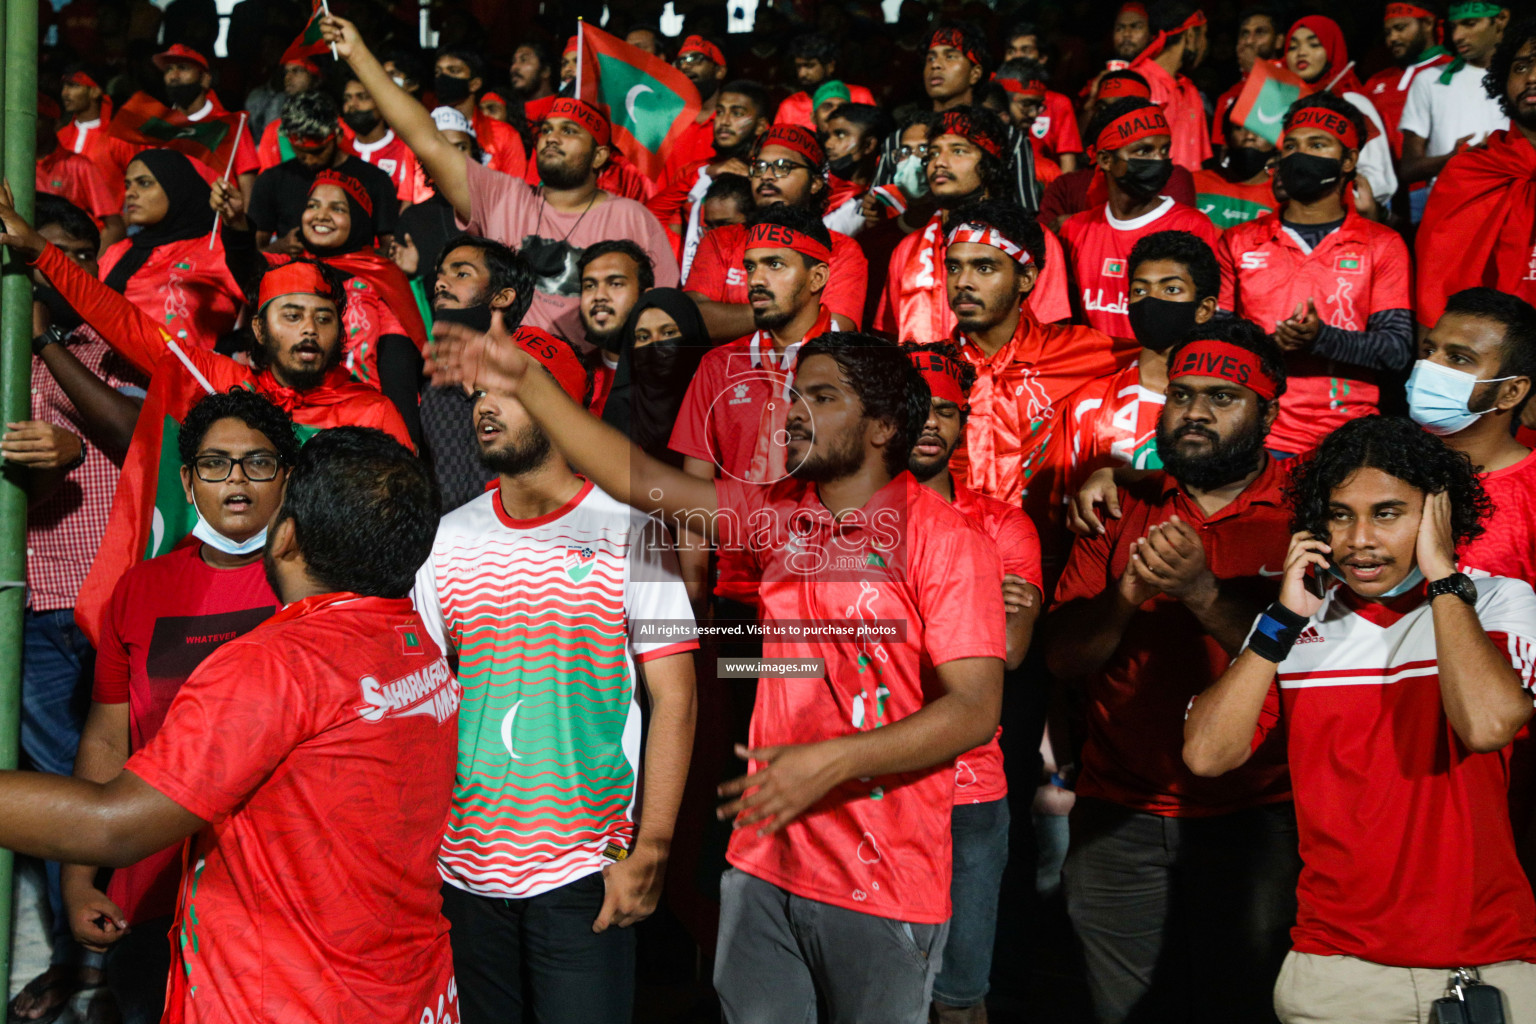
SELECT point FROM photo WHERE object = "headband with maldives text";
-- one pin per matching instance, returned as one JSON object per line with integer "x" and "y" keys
{"x": 1225, "y": 361}
{"x": 782, "y": 236}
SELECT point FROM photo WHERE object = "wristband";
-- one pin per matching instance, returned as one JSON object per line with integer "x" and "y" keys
{"x": 1276, "y": 633}
{"x": 79, "y": 460}
{"x": 51, "y": 335}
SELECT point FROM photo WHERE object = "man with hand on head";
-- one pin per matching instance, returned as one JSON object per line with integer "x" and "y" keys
{"x": 1175, "y": 882}
{"x": 1396, "y": 694}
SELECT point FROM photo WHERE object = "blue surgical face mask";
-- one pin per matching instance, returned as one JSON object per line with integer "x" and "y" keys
{"x": 205, "y": 532}
{"x": 1414, "y": 578}
{"x": 910, "y": 176}
{"x": 1438, "y": 397}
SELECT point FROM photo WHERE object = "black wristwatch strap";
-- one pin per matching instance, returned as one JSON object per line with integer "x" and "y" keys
{"x": 50, "y": 335}
{"x": 1458, "y": 583}
{"x": 79, "y": 459}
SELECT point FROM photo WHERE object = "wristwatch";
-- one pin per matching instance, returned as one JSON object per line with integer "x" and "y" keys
{"x": 1458, "y": 583}
{"x": 50, "y": 335}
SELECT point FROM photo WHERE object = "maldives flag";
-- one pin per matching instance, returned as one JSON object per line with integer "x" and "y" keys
{"x": 145, "y": 121}
{"x": 649, "y": 102}
{"x": 1267, "y": 94}
{"x": 309, "y": 43}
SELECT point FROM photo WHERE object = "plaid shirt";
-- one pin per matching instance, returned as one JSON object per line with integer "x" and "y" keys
{"x": 64, "y": 530}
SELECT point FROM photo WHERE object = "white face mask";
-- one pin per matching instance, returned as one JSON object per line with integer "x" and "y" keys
{"x": 1439, "y": 397}
{"x": 911, "y": 177}
{"x": 205, "y": 532}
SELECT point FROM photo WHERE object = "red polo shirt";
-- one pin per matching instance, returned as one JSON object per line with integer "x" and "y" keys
{"x": 1360, "y": 269}
{"x": 1388, "y": 92}
{"x": 909, "y": 561}
{"x": 1136, "y": 702}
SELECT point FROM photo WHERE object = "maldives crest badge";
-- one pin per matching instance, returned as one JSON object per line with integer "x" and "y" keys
{"x": 578, "y": 563}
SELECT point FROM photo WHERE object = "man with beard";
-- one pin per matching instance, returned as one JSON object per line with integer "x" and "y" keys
{"x": 979, "y": 823}
{"x": 788, "y": 169}
{"x": 613, "y": 277}
{"x": 489, "y": 287}
{"x": 741, "y": 117}
{"x": 189, "y": 89}
{"x": 1177, "y": 884}
{"x": 550, "y": 226}
{"x": 1260, "y": 36}
{"x": 533, "y": 77}
{"x": 1132, "y": 143}
{"x": 702, "y": 62}
{"x": 537, "y": 587}
{"x": 1332, "y": 286}
{"x": 1043, "y": 116}
{"x": 1410, "y": 34}
{"x": 815, "y": 59}
{"x": 964, "y": 165}
{"x": 839, "y": 887}
{"x": 1176, "y": 48}
{"x": 458, "y": 80}
{"x": 296, "y": 364}
{"x": 852, "y": 145}
{"x": 376, "y": 143}
{"x": 1131, "y": 31}
{"x": 955, "y": 65}
{"x": 1480, "y": 225}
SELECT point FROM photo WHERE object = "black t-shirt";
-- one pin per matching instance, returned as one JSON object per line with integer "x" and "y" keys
{"x": 430, "y": 224}
{"x": 277, "y": 201}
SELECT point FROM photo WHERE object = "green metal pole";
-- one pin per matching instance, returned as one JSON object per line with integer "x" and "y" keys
{"x": 20, "y": 142}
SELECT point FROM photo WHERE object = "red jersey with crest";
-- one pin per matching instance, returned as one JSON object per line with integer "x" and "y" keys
{"x": 1111, "y": 421}
{"x": 1360, "y": 269}
{"x": 1388, "y": 92}
{"x": 979, "y": 776}
{"x": 717, "y": 272}
{"x": 927, "y": 587}
{"x": 1136, "y": 703}
{"x": 1098, "y": 248}
{"x": 392, "y": 156}
{"x": 1055, "y": 129}
{"x": 319, "y": 748}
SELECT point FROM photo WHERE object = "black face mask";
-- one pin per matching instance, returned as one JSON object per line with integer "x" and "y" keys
{"x": 843, "y": 167}
{"x": 1309, "y": 178}
{"x": 182, "y": 95}
{"x": 1144, "y": 179}
{"x": 476, "y": 318}
{"x": 1243, "y": 162}
{"x": 1158, "y": 323}
{"x": 361, "y": 121}
{"x": 450, "y": 91}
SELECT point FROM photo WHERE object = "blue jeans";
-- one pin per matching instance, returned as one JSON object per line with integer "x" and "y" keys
{"x": 980, "y": 836}
{"x": 56, "y": 667}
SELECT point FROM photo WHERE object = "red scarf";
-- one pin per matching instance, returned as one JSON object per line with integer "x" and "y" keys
{"x": 767, "y": 465}
{"x": 1484, "y": 196}
{"x": 840, "y": 190}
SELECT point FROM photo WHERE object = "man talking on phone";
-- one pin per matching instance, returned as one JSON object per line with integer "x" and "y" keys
{"x": 1399, "y": 689}
{"x": 1175, "y": 883}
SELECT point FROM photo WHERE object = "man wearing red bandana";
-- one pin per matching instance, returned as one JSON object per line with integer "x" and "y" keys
{"x": 90, "y": 110}
{"x": 1413, "y": 41}
{"x": 956, "y": 63}
{"x": 1332, "y": 286}
{"x": 1176, "y": 48}
{"x": 1131, "y": 146}
{"x": 1046, "y": 117}
{"x": 788, "y": 169}
{"x": 1177, "y": 884}
{"x": 965, "y": 165}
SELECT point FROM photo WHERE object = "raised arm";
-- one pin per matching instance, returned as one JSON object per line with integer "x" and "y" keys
{"x": 410, "y": 120}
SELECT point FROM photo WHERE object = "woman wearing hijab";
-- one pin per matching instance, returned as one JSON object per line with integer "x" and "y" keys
{"x": 663, "y": 341}
{"x": 1315, "y": 53}
{"x": 166, "y": 268}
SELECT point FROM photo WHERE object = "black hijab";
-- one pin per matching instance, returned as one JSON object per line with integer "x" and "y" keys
{"x": 187, "y": 213}
{"x": 359, "y": 236}
{"x": 650, "y": 382}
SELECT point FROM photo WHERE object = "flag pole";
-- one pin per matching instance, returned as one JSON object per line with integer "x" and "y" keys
{"x": 580, "y": 24}
{"x": 326, "y": 7}
{"x": 1335, "y": 80}
{"x": 230, "y": 169}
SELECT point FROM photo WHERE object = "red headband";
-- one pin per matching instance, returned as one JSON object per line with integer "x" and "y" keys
{"x": 986, "y": 234}
{"x": 348, "y": 184}
{"x": 1033, "y": 87}
{"x": 782, "y": 236}
{"x": 1134, "y": 8}
{"x": 492, "y": 97}
{"x": 698, "y": 44}
{"x": 570, "y": 46}
{"x": 1206, "y": 358}
{"x": 956, "y": 122}
{"x": 81, "y": 78}
{"x": 294, "y": 278}
{"x": 1326, "y": 120}
{"x": 1114, "y": 87}
{"x": 793, "y": 136}
{"x": 1400, "y": 10}
{"x": 955, "y": 38}
{"x": 555, "y": 356}
{"x": 942, "y": 374}
{"x": 584, "y": 114}
{"x": 1138, "y": 124}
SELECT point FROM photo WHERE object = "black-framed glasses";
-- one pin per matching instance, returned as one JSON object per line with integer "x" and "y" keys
{"x": 258, "y": 467}
{"x": 774, "y": 169}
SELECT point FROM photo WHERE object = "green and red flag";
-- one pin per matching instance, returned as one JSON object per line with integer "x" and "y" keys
{"x": 145, "y": 121}
{"x": 1267, "y": 94}
{"x": 649, "y": 102}
{"x": 309, "y": 43}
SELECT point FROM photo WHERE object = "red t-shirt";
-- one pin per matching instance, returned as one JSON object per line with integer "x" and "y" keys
{"x": 718, "y": 275}
{"x": 1136, "y": 703}
{"x": 166, "y": 616}
{"x": 1111, "y": 421}
{"x": 186, "y": 287}
{"x": 1232, "y": 202}
{"x": 797, "y": 109}
{"x": 1400, "y": 824}
{"x": 1098, "y": 249}
{"x": 110, "y": 154}
{"x": 320, "y": 749}
{"x": 1056, "y": 126}
{"x": 1185, "y": 109}
{"x": 908, "y": 562}
{"x": 979, "y": 776}
{"x": 696, "y": 143}
{"x": 1360, "y": 269}
{"x": 75, "y": 178}
{"x": 1388, "y": 92}
{"x": 392, "y": 156}
{"x": 1219, "y": 115}
{"x": 1508, "y": 544}
{"x": 1075, "y": 191}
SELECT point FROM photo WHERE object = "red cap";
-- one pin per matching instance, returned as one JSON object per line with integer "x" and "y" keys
{"x": 793, "y": 136}
{"x": 570, "y": 46}
{"x": 180, "y": 54}
{"x": 555, "y": 356}
{"x": 304, "y": 62}
{"x": 492, "y": 97}
{"x": 1134, "y": 8}
{"x": 296, "y": 278}
{"x": 584, "y": 114}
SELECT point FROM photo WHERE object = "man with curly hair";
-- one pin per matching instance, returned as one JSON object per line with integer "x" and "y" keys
{"x": 1398, "y": 684}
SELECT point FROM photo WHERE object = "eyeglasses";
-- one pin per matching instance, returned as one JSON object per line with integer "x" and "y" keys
{"x": 920, "y": 151}
{"x": 691, "y": 58}
{"x": 774, "y": 169}
{"x": 258, "y": 467}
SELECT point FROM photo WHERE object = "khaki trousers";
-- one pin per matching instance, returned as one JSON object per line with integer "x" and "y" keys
{"x": 1313, "y": 989}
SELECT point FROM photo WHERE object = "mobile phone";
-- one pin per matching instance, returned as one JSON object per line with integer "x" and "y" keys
{"x": 1314, "y": 582}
